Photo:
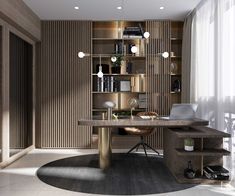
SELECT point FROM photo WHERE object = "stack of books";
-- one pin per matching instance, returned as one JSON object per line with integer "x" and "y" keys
{"x": 107, "y": 84}
{"x": 133, "y": 32}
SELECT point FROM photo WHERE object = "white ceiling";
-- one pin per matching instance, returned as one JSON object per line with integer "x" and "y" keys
{"x": 106, "y": 9}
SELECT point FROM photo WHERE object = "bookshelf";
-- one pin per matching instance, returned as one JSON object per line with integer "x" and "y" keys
{"x": 146, "y": 67}
{"x": 110, "y": 39}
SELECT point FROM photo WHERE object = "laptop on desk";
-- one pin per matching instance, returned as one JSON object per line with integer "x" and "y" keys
{"x": 182, "y": 112}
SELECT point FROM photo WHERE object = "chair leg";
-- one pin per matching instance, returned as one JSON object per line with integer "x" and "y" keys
{"x": 144, "y": 149}
{"x": 143, "y": 144}
{"x": 152, "y": 148}
{"x": 136, "y": 146}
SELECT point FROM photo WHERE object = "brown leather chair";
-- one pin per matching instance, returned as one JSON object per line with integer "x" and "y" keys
{"x": 142, "y": 132}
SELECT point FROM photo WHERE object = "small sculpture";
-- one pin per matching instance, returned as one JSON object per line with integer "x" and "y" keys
{"x": 133, "y": 103}
{"x": 189, "y": 172}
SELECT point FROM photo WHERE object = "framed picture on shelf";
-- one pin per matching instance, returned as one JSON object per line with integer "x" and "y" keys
{"x": 125, "y": 85}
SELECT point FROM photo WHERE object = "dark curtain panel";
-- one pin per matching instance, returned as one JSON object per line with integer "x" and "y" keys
{"x": 21, "y": 54}
{"x": 186, "y": 58}
{"x": 0, "y": 93}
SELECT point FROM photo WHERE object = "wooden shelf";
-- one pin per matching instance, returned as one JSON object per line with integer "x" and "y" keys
{"x": 109, "y": 56}
{"x": 139, "y": 74}
{"x": 176, "y": 39}
{"x": 204, "y": 152}
{"x": 115, "y": 39}
{"x": 199, "y": 132}
{"x": 174, "y": 92}
{"x": 117, "y": 110}
{"x": 175, "y": 57}
{"x": 175, "y": 74}
{"x": 96, "y": 92}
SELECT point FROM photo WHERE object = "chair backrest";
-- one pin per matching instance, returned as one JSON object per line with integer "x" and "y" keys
{"x": 142, "y": 131}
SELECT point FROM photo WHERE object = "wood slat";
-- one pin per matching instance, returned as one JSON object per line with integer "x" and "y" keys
{"x": 158, "y": 74}
{"x": 64, "y": 85}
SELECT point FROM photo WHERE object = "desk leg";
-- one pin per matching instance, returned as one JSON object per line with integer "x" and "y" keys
{"x": 105, "y": 149}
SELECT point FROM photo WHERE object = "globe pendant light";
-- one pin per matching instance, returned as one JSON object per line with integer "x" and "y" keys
{"x": 134, "y": 49}
{"x": 146, "y": 35}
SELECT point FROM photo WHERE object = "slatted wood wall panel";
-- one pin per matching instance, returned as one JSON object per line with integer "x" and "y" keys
{"x": 65, "y": 84}
{"x": 21, "y": 86}
{"x": 158, "y": 74}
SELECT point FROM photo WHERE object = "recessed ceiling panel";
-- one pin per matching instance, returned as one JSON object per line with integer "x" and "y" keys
{"x": 107, "y": 9}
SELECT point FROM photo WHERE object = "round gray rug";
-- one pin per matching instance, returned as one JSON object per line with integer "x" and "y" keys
{"x": 131, "y": 174}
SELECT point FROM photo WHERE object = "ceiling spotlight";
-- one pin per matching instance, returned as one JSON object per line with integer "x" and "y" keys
{"x": 161, "y": 8}
{"x": 81, "y": 55}
{"x": 146, "y": 34}
{"x": 76, "y": 8}
{"x": 134, "y": 49}
{"x": 119, "y": 7}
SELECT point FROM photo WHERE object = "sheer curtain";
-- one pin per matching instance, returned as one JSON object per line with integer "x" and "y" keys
{"x": 213, "y": 67}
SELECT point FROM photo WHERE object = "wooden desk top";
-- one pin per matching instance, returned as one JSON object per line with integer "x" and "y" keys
{"x": 138, "y": 122}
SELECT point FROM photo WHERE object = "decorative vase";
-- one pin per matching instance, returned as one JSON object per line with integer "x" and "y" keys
{"x": 188, "y": 144}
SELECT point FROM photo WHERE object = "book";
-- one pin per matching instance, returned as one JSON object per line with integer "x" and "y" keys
{"x": 102, "y": 84}
{"x": 132, "y": 31}
{"x": 111, "y": 83}
{"x": 142, "y": 101}
{"x": 98, "y": 84}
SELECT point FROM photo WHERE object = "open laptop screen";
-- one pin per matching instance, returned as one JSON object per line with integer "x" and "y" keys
{"x": 183, "y": 111}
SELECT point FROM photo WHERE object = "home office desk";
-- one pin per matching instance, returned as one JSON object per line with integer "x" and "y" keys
{"x": 105, "y": 149}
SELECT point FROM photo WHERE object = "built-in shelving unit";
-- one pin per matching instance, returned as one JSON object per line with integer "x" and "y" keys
{"x": 108, "y": 41}
{"x": 149, "y": 78}
{"x": 175, "y": 64}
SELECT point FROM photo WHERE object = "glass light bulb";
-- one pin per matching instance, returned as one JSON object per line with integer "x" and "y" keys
{"x": 146, "y": 34}
{"x": 165, "y": 55}
{"x": 100, "y": 73}
{"x": 134, "y": 49}
{"x": 81, "y": 54}
{"x": 113, "y": 59}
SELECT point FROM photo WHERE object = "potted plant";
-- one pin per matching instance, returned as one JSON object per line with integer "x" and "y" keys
{"x": 188, "y": 144}
{"x": 116, "y": 63}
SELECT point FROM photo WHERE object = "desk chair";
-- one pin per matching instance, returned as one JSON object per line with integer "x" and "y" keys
{"x": 142, "y": 132}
